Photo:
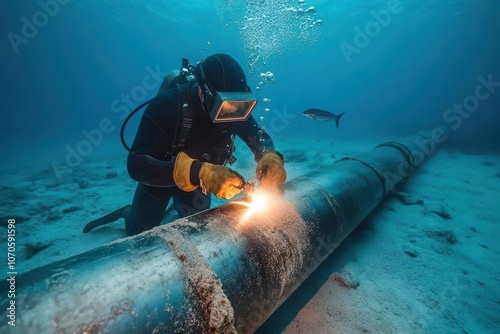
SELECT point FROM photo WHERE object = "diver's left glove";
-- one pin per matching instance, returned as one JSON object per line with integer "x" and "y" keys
{"x": 182, "y": 172}
{"x": 270, "y": 170}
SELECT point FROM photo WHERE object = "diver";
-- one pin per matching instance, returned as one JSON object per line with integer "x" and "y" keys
{"x": 184, "y": 140}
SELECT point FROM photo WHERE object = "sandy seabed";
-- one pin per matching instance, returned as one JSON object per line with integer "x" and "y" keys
{"x": 425, "y": 261}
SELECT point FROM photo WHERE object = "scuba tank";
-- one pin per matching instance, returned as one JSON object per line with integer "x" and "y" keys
{"x": 168, "y": 81}
{"x": 173, "y": 79}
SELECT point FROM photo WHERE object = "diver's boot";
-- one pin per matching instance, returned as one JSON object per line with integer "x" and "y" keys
{"x": 109, "y": 218}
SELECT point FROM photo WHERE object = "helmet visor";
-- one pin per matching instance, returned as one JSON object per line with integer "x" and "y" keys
{"x": 232, "y": 106}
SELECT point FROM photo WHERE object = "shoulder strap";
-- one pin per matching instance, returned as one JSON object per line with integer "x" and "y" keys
{"x": 185, "y": 122}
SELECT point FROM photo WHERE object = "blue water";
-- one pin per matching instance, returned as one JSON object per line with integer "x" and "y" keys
{"x": 73, "y": 69}
{"x": 64, "y": 76}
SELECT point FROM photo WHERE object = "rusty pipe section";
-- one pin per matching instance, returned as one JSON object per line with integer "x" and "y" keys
{"x": 224, "y": 270}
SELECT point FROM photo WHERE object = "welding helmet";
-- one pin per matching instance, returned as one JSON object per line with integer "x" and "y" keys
{"x": 226, "y": 95}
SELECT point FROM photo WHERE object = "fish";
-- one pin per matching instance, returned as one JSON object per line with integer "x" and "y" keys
{"x": 322, "y": 115}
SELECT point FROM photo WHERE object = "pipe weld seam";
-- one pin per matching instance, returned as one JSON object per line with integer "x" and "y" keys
{"x": 337, "y": 210}
{"x": 406, "y": 152}
{"x": 217, "y": 310}
{"x": 429, "y": 141}
{"x": 379, "y": 174}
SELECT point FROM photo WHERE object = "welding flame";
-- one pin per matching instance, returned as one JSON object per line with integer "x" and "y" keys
{"x": 258, "y": 204}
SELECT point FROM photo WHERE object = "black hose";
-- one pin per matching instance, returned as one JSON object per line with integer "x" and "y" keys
{"x": 122, "y": 131}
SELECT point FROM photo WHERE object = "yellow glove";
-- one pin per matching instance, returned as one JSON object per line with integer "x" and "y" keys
{"x": 223, "y": 182}
{"x": 182, "y": 172}
{"x": 270, "y": 170}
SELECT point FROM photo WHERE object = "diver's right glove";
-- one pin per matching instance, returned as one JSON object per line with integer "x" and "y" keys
{"x": 223, "y": 182}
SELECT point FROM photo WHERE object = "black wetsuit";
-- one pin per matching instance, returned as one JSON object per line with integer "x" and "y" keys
{"x": 151, "y": 162}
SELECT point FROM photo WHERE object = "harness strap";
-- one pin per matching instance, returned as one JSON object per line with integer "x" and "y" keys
{"x": 184, "y": 124}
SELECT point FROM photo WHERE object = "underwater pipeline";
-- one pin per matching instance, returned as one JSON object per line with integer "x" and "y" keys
{"x": 223, "y": 270}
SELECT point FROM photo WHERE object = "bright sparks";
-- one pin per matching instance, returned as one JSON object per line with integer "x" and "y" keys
{"x": 259, "y": 204}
